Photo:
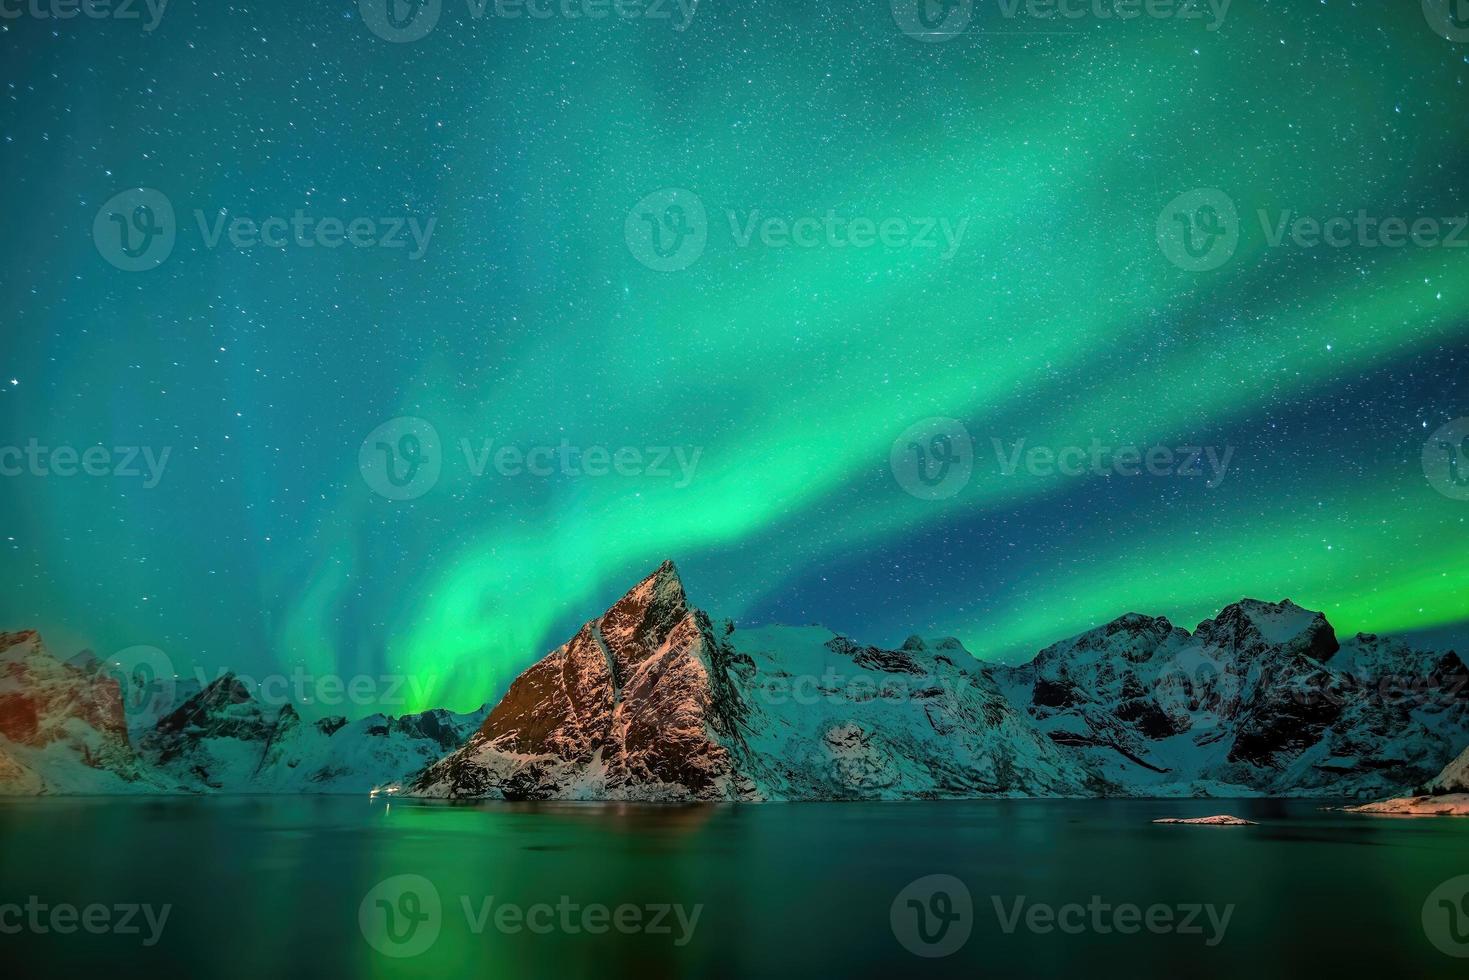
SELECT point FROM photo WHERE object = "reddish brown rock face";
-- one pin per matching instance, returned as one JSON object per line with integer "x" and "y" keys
{"x": 636, "y": 698}
{"x": 39, "y": 693}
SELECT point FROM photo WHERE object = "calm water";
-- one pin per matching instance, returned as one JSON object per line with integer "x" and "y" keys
{"x": 273, "y": 887}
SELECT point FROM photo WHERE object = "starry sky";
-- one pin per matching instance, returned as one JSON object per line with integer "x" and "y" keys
{"x": 799, "y": 373}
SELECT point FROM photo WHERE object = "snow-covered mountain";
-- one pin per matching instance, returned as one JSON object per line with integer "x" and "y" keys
{"x": 649, "y": 702}
{"x": 64, "y": 730}
{"x": 1261, "y": 699}
{"x": 653, "y": 701}
{"x": 224, "y": 739}
{"x": 62, "y": 727}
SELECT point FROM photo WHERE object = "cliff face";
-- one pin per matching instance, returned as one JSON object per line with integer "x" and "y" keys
{"x": 62, "y": 727}
{"x": 637, "y": 705}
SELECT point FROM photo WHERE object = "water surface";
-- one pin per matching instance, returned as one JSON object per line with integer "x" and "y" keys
{"x": 273, "y": 887}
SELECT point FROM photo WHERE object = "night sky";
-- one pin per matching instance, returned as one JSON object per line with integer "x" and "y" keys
{"x": 795, "y": 376}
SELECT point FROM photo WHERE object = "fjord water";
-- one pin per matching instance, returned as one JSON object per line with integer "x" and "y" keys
{"x": 272, "y": 887}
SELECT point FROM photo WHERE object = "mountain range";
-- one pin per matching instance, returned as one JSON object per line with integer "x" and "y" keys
{"x": 654, "y": 701}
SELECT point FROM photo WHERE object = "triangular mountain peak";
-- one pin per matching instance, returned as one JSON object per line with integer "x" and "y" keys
{"x": 646, "y": 615}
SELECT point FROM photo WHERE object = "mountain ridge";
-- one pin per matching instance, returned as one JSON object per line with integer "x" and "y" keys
{"x": 650, "y": 701}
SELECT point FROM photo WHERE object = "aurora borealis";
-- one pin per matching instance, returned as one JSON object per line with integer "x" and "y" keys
{"x": 791, "y": 368}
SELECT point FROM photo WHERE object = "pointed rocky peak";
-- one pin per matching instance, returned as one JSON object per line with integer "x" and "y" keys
{"x": 942, "y": 644}
{"x": 224, "y": 690}
{"x": 639, "y": 622}
{"x": 1251, "y": 623}
{"x": 225, "y": 704}
{"x": 1132, "y": 637}
{"x": 662, "y": 589}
